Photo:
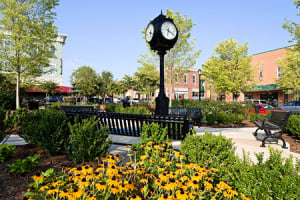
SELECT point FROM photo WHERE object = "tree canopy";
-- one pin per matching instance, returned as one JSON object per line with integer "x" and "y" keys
{"x": 87, "y": 81}
{"x": 26, "y": 37}
{"x": 229, "y": 69}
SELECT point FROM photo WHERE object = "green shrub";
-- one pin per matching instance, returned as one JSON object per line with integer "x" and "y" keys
{"x": 293, "y": 125}
{"x": 47, "y": 129}
{"x": 24, "y": 166}
{"x": 86, "y": 142}
{"x": 5, "y": 128}
{"x": 111, "y": 107}
{"x": 150, "y": 133}
{"x": 276, "y": 178}
{"x": 8, "y": 100}
{"x": 211, "y": 119}
{"x": 17, "y": 117}
{"x": 6, "y": 150}
{"x": 209, "y": 150}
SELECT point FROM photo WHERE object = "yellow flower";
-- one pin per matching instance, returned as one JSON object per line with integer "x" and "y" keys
{"x": 192, "y": 196}
{"x": 135, "y": 197}
{"x": 148, "y": 148}
{"x": 77, "y": 193}
{"x": 245, "y": 197}
{"x": 143, "y": 157}
{"x": 157, "y": 182}
{"x": 52, "y": 191}
{"x": 64, "y": 194}
{"x": 113, "y": 181}
{"x": 91, "y": 198}
{"x": 114, "y": 189}
{"x": 83, "y": 183}
{"x": 145, "y": 181}
{"x": 163, "y": 159}
{"x": 150, "y": 142}
{"x": 171, "y": 185}
{"x": 208, "y": 186}
{"x": 168, "y": 163}
{"x": 163, "y": 197}
{"x": 184, "y": 178}
{"x": 181, "y": 194}
{"x": 193, "y": 184}
{"x": 163, "y": 177}
{"x": 87, "y": 169}
{"x": 130, "y": 154}
{"x": 161, "y": 169}
{"x": 172, "y": 175}
{"x": 156, "y": 147}
{"x": 37, "y": 178}
{"x": 197, "y": 176}
{"x": 44, "y": 187}
{"x": 180, "y": 171}
{"x": 129, "y": 185}
{"x": 101, "y": 186}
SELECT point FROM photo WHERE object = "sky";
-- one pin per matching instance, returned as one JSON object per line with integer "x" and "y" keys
{"x": 107, "y": 35}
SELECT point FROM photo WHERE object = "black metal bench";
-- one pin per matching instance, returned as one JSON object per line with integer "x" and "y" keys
{"x": 276, "y": 122}
{"x": 194, "y": 114}
{"x": 131, "y": 124}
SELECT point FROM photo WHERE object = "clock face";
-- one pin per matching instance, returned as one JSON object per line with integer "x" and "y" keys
{"x": 149, "y": 32}
{"x": 168, "y": 30}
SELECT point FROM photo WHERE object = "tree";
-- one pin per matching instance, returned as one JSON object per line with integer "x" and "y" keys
{"x": 106, "y": 78}
{"x": 290, "y": 74}
{"x": 293, "y": 27}
{"x": 183, "y": 55}
{"x": 27, "y": 35}
{"x": 229, "y": 70}
{"x": 147, "y": 76}
{"x": 49, "y": 87}
{"x": 87, "y": 81}
{"x": 290, "y": 65}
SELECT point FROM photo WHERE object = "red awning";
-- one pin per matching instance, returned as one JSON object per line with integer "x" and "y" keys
{"x": 61, "y": 89}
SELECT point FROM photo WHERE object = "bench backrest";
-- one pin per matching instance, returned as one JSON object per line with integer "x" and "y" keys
{"x": 280, "y": 118}
{"x": 131, "y": 124}
{"x": 74, "y": 107}
{"x": 190, "y": 112}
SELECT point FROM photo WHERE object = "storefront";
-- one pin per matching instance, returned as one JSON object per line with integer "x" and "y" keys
{"x": 273, "y": 94}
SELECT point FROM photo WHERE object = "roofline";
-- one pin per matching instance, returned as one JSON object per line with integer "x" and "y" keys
{"x": 274, "y": 49}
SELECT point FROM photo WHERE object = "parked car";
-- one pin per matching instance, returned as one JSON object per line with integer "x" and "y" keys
{"x": 262, "y": 108}
{"x": 134, "y": 100}
{"x": 96, "y": 100}
{"x": 52, "y": 99}
{"x": 256, "y": 101}
{"x": 108, "y": 100}
{"x": 116, "y": 100}
{"x": 292, "y": 106}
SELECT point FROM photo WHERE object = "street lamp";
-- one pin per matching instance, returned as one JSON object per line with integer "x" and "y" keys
{"x": 199, "y": 73}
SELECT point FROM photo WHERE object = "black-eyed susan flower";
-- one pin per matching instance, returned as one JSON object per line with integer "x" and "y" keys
{"x": 208, "y": 186}
{"x": 135, "y": 197}
{"x": 44, "y": 187}
{"x": 83, "y": 183}
{"x": 171, "y": 185}
{"x": 168, "y": 163}
{"x": 192, "y": 196}
{"x": 144, "y": 181}
{"x": 115, "y": 189}
{"x": 129, "y": 185}
{"x": 64, "y": 194}
{"x": 89, "y": 197}
{"x": 52, "y": 191}
{"x": 87, "y": 169}
{"x": 113, "y": 181}
{"x": 197, "y": 176}
{"x": 143, "y": 157}
{"x": 77, "y": 193}
{"x": 163, "y": 177}
{"x": 193, "y": 184}
{"x": 101, "y": 186}
{"x": 38, "y": 178}
{"x": 245, "y": 197}
{"x": 181, "y": 194}
{"x": 163, "y": 197}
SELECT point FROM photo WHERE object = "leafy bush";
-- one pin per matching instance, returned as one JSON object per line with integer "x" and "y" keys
{"x": 17, "y": 117}
{"x": 47, "y": 129}
{"x": 24, "y": 166}
{"x": 6, "y": 150}
{"x": 293, "y": 125}
{"x": 111, "y": 107}
{"x": 5, "y": 128}
{"x": 86, "y": 142}
{"x": 150, "y": 133}
{"x": 276, "y": 178}
{"x": 209, "y": 150}
{"x": 8, "y": 100}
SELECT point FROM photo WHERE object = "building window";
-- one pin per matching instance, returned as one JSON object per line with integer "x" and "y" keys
{"x": 176, "y": 78}
{"x": 52, "y": 69}
{"x": 260, "y": 75}
{"x": 279, "y": 72}
{"x": 194, "y": 79}
{"x": 52, "y": 50}
{"x": 185, "y": 78}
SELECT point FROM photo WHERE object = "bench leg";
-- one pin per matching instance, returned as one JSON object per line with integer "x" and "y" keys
{"x": 280, "y": 137}
{"x": 268, "y": 134}
{"x": 255, "y": 133}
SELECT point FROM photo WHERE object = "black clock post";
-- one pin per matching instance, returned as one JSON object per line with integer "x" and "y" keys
{"x": 161, "y": 34}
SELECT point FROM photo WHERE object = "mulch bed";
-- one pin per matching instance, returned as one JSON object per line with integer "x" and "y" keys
{"x": 13, "y": 187}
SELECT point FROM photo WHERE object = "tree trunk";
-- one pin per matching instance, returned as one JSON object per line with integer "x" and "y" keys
{"x": 18, "y": 91}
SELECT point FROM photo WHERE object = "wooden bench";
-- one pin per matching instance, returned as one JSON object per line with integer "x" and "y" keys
{"x": 194, "y": 114}
{"x": 132, "y": 124}
{"x": 276, "y": 122}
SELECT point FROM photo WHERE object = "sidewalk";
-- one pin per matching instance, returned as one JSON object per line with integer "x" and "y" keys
{"x": 242, "y": 137}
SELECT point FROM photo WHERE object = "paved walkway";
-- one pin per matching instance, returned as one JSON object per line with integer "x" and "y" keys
{"x": 242, "y": 137}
